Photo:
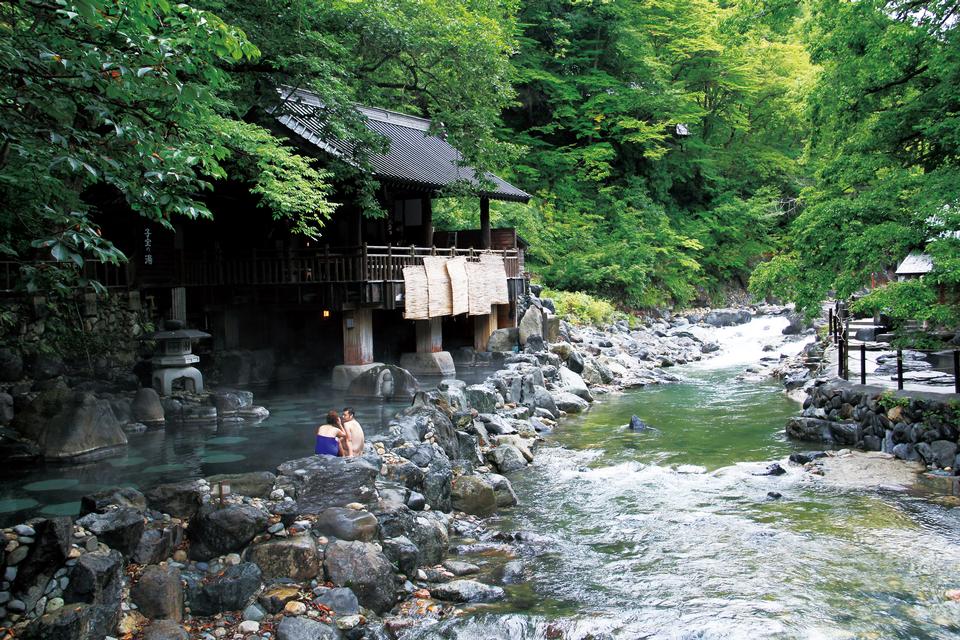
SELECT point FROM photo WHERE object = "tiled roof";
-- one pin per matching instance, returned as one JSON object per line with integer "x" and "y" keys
{"x": 915, "y": 264}
{"x": 415, "y": 157}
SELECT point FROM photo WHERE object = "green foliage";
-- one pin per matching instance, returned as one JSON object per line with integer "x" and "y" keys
{"x": 120, "y": 104}
{"x": 883, "y": 150}
{"x": 627, "y": 208}
{"x": 888, "y": 400}
{"x": 582, "y": 308}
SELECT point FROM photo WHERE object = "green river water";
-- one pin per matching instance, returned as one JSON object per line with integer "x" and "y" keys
{"x": 670, "y": 535}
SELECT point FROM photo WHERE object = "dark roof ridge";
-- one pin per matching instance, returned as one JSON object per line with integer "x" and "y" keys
{"x": 415, "y": 155}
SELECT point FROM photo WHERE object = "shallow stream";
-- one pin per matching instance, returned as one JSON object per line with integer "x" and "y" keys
{"x": 641, "y": 535}
{"x": 670, "y": 535}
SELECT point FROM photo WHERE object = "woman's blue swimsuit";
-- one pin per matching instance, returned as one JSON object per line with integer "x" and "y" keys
{"x": 327, "y": 445}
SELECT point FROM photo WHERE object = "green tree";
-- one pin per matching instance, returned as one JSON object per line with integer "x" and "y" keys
{"x": 125, "y": 98}
{"x": 631, "y": 208}
{"x": 884, "y": 149}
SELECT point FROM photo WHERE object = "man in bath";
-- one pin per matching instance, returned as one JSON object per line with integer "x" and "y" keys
{"x": 354, "y": 432}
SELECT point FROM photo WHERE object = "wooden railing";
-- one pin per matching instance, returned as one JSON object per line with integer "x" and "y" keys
{"x": 341, "y": 265}
{"x": 107, "y": 274}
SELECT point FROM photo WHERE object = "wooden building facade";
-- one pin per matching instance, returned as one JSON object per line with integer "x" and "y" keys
{"x": 249, "y": 281}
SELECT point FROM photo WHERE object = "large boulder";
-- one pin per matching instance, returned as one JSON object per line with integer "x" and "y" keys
{"x": 570, "y": 403}
{"x": 165, "y": 630}
{"x": 794, "y": 325}
{"x": 384, "y": 381}
{"x": 51, "y": 545}
{"x": 97, "y": 580}
{"x": 158, "y": 593}
{"x": 506, "y": 458}
{"x": 481, "y": 397}
{"x": 158, "y": 542}
{"x": 596, "y": 373}
{"x": 322, "y": 482}
{"x": 11, "y": 365}
{"x": 66, "y": 623}
{"x": 147, "y": 408}
{"x": 347, "y": 524}
{"x": 422, "y": 418}
{"x": 474, "y": 495}
{"x": 296, "y": 557}
{"x": 452, "y": 391}
{"x": 531, "y": 324}
{"x": 727, "y": 317}
{"x": 70, "y": 426}
{"x": 302, "y": 628}
{"x": 256, "y": 484}
{"x": 940, "y": 453}
{"x": 541, "y": 399}
{"x": 809, "y": 429}
{"x": 340, "y": 600}
{"x": 466, "y": 591}
{"x": 436, "y": 484}
{"x": 427, "y": 530}
{"x": 119, "y": 496}
{"x": 179, "y": 499}
{"x": 503, "y": 490}
{"x": 230, "y": 591}
{"x": 216, "y": 531}
{"x": 362, "y": 567}
{"x": 573, "y": 383}
{"x": 504, "y": 340}
{"x": 119, "y": 529}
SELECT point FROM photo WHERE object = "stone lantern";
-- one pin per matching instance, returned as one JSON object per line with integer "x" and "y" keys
{"x": 174, "y": 358}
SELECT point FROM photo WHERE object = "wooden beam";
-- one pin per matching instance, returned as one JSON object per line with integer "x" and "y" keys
{"x": 426, "y": 212}
{"x": 484, "y": 223}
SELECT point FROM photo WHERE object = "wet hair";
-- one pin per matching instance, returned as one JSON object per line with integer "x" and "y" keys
{"x": 332, "y": 417}
{"x": 349, "y": 410}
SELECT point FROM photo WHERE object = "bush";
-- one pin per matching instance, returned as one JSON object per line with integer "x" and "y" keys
{"x": 583, "y": 308}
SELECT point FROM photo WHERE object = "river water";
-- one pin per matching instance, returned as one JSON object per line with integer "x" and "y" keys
{"x": 670, "y": 535}
{"x": 651, "y": 535}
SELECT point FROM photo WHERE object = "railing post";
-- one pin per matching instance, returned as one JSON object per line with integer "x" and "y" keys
{"x": 863, "y": 363}
{"x": 365, "y": 268}
{"x": 830, "y": 325}
{"x": 899, "y": 369}
{"x": 956, "y": 370}
{"x": 846, "y": 351}
{"x": 839, "y": 358}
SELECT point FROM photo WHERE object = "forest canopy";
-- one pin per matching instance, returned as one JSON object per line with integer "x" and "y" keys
{"x": 677, "y": 149}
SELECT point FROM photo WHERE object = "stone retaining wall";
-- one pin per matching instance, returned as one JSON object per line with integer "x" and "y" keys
{"x": 911, "y": 426}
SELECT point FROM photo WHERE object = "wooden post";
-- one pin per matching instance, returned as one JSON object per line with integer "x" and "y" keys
{"x": 840, "y": 358}
{"x": 484, "y": 222}
{"x": 863, "y": 364}
{"x": 426, "y": 213}
{"x": 830, "y": 325}
{"x": 846, "y": 350}
{"x": 899, "y": 369}
{"x": 483, "y": 326}
{"x": 429, "y": 335}
{"x": 956, "y": 371}
{"x": 358, "y": 336}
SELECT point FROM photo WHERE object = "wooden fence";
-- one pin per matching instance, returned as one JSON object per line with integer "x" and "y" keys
{"x": 361, "y": 264}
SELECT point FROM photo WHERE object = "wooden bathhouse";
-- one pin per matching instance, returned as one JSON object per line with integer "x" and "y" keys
{"x": 343, "y": 301}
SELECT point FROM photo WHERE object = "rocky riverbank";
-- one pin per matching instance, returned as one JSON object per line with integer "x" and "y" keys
{"x": 339, "y": 548}
{"x": 911, "y": 426}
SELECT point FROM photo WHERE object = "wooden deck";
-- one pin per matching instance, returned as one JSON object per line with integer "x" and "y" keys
{"x": 373, "y": 264}
{"x": 377, "y": 270}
